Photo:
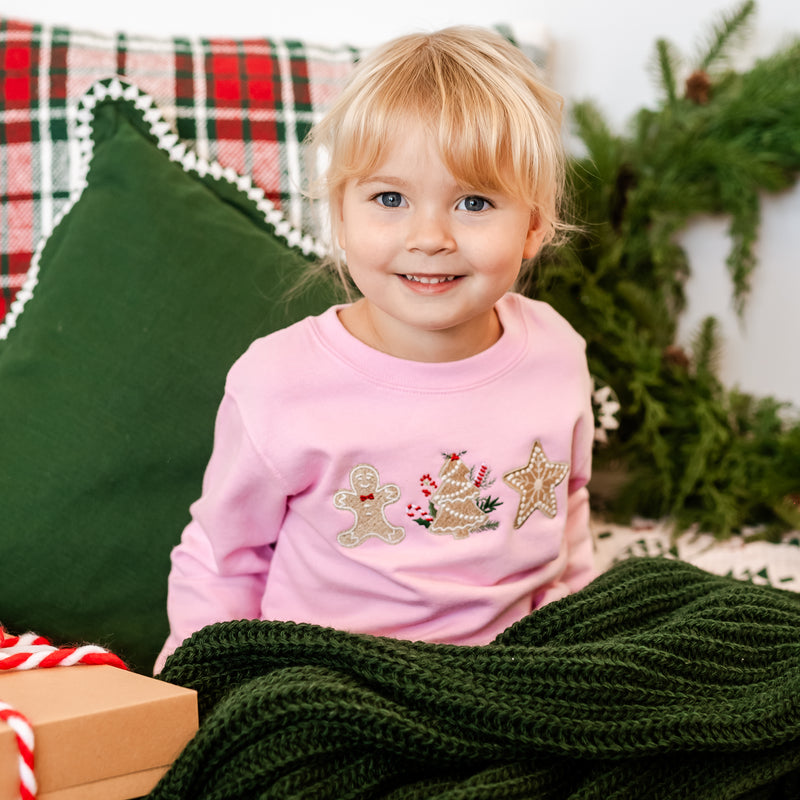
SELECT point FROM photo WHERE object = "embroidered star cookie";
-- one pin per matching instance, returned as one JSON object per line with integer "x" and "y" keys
{"x": 367, "y": 501}
{"x": 536, "y": 483}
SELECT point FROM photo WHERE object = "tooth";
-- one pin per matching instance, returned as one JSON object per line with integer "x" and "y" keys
{"x": 428, "y": 280}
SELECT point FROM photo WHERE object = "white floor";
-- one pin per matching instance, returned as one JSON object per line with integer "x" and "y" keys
{"x": 747, "y": 559}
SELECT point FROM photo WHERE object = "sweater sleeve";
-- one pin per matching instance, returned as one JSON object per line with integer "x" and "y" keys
{"x": 580, "y": 568}
{"x": 219, "y": 569}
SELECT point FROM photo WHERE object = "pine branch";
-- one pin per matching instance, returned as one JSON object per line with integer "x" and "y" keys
{"x": 689, "y": 447}
{"x": 601, "y": 144}
{"x": 706, "y": 350}
{"x": 726, "y": 33}
{"x": 668, "y": 63}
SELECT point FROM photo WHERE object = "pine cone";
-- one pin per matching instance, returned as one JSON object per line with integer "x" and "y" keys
{"x": 677, "y": 357}
{"x": 698, "y": 87}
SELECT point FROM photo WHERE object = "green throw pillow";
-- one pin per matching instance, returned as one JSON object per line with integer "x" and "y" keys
{"x": 157, "y": 279}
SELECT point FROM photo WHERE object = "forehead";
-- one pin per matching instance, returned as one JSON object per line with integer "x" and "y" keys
{"x": 413, "y": 152}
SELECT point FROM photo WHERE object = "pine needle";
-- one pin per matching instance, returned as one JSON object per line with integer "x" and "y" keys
{"x": 706, "y": 348}
{"x": 726, "y": 34}
{"x": 667, "y": 65}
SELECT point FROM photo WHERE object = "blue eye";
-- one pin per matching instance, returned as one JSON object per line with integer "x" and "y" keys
{"x": 474, "y": 203}
{"x": 390, "y": 199}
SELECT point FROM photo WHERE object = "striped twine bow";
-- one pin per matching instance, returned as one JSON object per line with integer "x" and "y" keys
{"x": 24, "y": 735}
{"x": 30, "y": 651}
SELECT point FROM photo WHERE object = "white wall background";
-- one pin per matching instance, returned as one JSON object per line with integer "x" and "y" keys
{"x": 600, "y": 51}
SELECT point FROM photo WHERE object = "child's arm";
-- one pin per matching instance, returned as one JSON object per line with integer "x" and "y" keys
{"x": 580, "y": 568}
{"x": 220, "y": 567}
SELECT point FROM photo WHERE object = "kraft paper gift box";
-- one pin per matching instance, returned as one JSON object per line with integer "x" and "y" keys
{"x": 101, "y": 733}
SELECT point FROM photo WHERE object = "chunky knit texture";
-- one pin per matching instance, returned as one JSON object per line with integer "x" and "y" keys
{"x": 658, "y": 680}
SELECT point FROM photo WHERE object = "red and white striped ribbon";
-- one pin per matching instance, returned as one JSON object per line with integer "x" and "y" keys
{"x": 30, "y": 651}
{"x": 24, "y": 735}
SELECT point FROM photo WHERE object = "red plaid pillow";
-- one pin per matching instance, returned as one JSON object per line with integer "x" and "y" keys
{"x": 247, "y": 104}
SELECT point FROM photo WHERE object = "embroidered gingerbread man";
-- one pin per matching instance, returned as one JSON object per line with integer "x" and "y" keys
{"x": 367, "y": 501}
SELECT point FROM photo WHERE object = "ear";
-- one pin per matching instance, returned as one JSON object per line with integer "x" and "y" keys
{"x": 534, "y": 237}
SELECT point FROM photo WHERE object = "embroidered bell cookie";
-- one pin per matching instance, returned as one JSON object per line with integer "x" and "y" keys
{"x": 536, "y": 483}
{"x": 367, "y": 501}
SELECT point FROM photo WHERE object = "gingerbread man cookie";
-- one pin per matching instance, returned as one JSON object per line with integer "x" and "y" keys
{"x": 367, "y": 501}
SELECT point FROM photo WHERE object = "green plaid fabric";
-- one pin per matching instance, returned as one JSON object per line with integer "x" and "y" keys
{"x": 247, "y": 104}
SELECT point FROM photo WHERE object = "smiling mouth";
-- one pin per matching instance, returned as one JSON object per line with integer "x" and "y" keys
{"x": 430, "y": 278}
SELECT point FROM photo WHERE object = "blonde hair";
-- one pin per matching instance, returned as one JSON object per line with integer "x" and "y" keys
{"x": 497, "y": 125}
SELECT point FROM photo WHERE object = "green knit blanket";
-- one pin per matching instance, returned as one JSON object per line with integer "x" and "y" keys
{"x": 658, "y": 680}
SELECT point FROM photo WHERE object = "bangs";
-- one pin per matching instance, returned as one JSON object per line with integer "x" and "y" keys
{"x": 497, "y": 126}
{"x": 479, "y": 139}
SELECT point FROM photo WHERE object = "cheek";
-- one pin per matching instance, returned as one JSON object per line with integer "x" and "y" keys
{"x": 364, "y": 242}
{"x": 499, "y": 256}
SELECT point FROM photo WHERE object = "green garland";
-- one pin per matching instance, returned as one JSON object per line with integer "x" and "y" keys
{"x": 687, "y": 447}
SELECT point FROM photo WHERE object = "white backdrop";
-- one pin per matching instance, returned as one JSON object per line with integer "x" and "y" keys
{"x": 600, "y": 51}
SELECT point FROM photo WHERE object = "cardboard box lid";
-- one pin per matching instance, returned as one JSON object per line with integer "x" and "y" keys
{"x": 93, "y": 723}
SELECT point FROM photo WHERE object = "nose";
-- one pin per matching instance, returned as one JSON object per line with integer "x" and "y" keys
{"x": 430, "y": 232}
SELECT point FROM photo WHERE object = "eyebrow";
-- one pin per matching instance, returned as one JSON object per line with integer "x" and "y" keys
{"x": 390, "y": 179}
{"x": 402, "y": 184}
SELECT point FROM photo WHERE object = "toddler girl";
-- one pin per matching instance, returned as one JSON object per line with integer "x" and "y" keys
{"x": 414, "y": 463}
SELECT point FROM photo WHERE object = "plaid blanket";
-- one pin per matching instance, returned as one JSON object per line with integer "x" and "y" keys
{"x": 247, "y": 104}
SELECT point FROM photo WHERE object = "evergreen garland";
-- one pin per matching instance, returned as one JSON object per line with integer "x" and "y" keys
{"x": 687, "y": 446}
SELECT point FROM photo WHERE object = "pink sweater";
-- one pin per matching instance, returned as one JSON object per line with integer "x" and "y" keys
{"x": 427, "y": 501}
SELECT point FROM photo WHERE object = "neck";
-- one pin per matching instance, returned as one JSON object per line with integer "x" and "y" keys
{"x": 414, "y": 344}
